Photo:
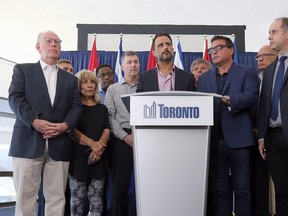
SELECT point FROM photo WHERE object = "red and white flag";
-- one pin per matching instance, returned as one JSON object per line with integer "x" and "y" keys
{"x": 206, "y": 55}
{"x": 152, "y": 61}
{"x": 93, "y": 62}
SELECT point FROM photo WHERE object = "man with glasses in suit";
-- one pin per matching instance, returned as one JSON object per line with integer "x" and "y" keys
{"x": 232, "y": 133}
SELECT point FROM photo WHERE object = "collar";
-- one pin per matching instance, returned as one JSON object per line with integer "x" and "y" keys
{"x": 45, "y": 65}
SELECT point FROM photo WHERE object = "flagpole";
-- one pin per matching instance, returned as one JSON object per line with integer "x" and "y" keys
{"x": 94, "y": 39}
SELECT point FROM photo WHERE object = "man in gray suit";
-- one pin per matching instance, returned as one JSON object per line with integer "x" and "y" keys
{"x": 165, "y": 76}
{"x": 46, "y": 102}
{"x": 273, "y": 114}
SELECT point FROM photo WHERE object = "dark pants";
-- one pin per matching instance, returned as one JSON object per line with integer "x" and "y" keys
{"x": 238, "y": 160}
{"x": 277, "y": 157}
{"x": 121, "y": 171}
{"x": 259, "y": 184}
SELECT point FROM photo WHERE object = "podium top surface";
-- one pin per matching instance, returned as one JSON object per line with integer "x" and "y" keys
{"x": 172, "y": 93}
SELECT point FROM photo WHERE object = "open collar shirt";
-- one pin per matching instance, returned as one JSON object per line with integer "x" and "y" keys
{"x": 118, "y": 114}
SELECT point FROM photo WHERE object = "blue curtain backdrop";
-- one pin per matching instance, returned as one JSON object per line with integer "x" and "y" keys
{"x": 80, "y": 59}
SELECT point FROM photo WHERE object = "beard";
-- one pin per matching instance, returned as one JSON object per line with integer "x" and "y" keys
{"x": 165, "y": 58}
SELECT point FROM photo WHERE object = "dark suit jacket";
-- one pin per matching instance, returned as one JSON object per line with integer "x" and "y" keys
{"x": 28, "y": 98}
{"x": 148, "y": 81}
{"x": 242, "y": 86}
{"x": 265, "y": 101}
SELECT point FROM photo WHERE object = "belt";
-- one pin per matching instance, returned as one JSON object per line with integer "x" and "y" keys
{"x": 128, "y": 130}
{"x": 275, "y": 129}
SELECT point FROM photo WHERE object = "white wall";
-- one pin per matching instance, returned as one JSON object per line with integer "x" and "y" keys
{"x": 6, "y": 69}
{"x": 21, "y": 21}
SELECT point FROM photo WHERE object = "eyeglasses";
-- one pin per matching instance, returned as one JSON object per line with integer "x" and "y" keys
{"x": 264, "y": 56}
{"x": 217, "y": 48}
{"x": 50, "y": 40}
{"x": 103, "y": 75}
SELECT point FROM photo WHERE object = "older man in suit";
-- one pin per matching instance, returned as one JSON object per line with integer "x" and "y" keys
{"x": 165, "y": 76}
{"x": 232, "y": 133}
{"x": 46, "y": 102}
{"x": 273, "y": 114}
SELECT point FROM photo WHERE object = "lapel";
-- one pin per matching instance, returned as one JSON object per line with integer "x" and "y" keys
{"x": 154, "y": 80}
{"x": 178, "y": 79}
{"x": 60, "y": 85}
{"x": 285, "y": 77}
{"x": 213, "y": 81}
{"x": 269, "y": 75}
{"x": 230, "y": 76}
{"x": 39, "y": 76}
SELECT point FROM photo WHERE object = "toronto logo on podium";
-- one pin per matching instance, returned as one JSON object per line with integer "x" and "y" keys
{"x": 150, "y": 111}
{"x": 170, "y": 111}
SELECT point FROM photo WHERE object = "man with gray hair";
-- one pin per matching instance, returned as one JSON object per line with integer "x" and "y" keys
{"x": 47, "y": 105}
{"x": 198, "y": 67}
{"x": 122, "y": 151}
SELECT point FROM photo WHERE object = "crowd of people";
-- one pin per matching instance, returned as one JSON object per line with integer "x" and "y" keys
{"x": 72, "y": 141}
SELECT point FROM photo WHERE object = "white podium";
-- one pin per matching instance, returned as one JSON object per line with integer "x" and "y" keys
{"x": 171, "y": 146}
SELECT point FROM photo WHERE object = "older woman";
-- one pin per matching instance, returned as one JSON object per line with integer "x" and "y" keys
{"x": 89, "y": 165}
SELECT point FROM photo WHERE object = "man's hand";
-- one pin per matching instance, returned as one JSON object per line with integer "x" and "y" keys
{"x": 55, "y": 130}
{"x": 226, "y": 100}
{"x": 42, "y": 125}
{"x": 128, "y": 139}
{"x": 262, "y": 149}
{"x": 49, "y": 129}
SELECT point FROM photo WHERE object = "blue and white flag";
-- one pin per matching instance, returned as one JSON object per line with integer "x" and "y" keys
{"x": 178, "y": 60}
{"x": 118, "y": 71}
{"x": 235, "y": 50}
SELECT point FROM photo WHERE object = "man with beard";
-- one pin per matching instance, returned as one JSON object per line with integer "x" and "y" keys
{"x": 165, "y": 76}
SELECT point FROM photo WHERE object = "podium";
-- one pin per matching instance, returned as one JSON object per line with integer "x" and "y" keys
{"x": 171, "y": 133}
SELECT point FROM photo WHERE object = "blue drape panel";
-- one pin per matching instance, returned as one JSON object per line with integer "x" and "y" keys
{"x": 80, "y": 59}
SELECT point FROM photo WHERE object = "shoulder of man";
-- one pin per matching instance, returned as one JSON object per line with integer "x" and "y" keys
{"x": 149, "y": 72}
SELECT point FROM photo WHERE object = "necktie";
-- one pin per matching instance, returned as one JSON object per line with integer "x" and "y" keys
{"x": 277, "y": 89}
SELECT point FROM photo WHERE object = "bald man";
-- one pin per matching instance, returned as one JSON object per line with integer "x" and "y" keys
{"x": 260, "y": 174}
{"x": 265, "y": 57}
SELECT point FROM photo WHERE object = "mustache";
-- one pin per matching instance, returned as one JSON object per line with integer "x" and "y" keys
{"x": 167, "y": 52}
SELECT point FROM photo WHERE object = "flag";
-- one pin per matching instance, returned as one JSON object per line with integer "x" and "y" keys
{"x": 206, "y": 55}
{"x": 178, "y": 60}
{"x": 118, "y": 71}
{"x": 93, "y": 62}
{"x": 235, "y": 50}
{"x": 152, "y": 61}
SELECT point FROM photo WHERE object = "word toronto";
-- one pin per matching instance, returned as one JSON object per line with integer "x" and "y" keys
{"x": 178, "y": 112}
{"x": 171, "y": 112}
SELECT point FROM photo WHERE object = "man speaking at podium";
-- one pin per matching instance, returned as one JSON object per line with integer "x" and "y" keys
{"x": 232, "y": 133}
{"x": 165, "y": 76}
